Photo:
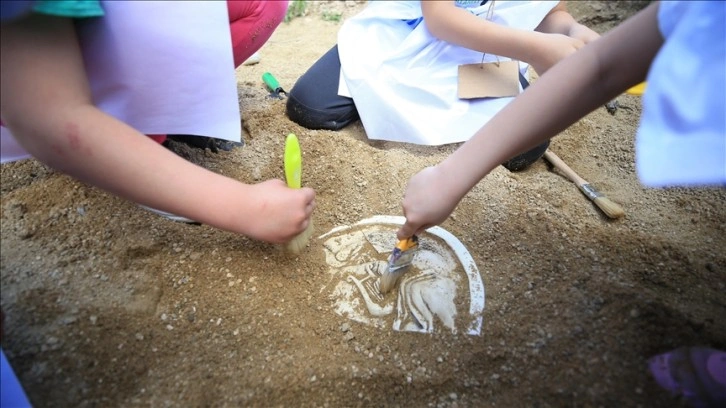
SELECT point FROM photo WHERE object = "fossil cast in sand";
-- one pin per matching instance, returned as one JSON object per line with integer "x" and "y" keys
{"x": 434, "y": 294}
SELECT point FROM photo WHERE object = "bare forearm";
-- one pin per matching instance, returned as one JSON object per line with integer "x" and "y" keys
{"x": 458, "y": 26}
{"x": 86, "y": 144}
{"x": 566, "y": 93}
{"x": 559, "y": 21}
{"x": 46, "y": 103}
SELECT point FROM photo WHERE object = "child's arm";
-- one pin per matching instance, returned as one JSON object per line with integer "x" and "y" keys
{"x": 46, "y": 102}
{"x": 458, "y": 26}
{"x": 560, "y": 21}
{"x": 569, "y": 91}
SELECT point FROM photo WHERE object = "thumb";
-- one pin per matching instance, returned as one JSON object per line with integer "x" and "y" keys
{"x": 308, "y": 193}
{"x": 274, "y": 182}
{"x": 406, "y": 230}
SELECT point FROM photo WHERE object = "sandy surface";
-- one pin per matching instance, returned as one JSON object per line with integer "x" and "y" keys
{"x": 109, "y": 305}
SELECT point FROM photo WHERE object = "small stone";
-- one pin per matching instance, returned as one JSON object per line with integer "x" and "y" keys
{"x": 69, "y": 319}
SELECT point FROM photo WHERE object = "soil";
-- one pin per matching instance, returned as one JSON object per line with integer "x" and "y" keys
{"x": 107, "y": 304}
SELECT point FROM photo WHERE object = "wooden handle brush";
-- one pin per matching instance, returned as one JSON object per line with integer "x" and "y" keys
{"x": 607, "y": 206}
{"x": 293, "y": 176}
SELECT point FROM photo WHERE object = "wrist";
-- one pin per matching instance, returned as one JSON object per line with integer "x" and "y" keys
{"x": 219, "y": 201}
{"x": 232, "y": 209}
{"x": 582, "y": 33}
{"x": 456, "y": 181}
{"x": 538, "y": 46}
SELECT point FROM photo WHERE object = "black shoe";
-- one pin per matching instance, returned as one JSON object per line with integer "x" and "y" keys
{"x": 203, "y": 142}
{"x": 524, "y": 160}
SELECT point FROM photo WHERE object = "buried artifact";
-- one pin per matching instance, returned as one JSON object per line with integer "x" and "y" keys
{"x": 441, "y": 289}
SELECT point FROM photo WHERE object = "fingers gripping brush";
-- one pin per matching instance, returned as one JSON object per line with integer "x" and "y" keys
{"x": 399, "y": 261}
{"x": 293, "y": 176}
{"x": 610, "y": 208}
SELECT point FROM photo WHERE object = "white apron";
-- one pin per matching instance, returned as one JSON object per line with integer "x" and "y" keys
{"x": 404, "y": 80}
{"x": 161, "y": 67}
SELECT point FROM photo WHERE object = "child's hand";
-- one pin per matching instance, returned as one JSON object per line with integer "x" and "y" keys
{"x": 428, "y": 201}
{"x": 282, "y": 212}
{"x": 583, "y": 33}
{"x": 555, "y": 47}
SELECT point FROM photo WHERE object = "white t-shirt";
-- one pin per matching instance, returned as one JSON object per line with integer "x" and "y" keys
{"x": 682, "y": 136}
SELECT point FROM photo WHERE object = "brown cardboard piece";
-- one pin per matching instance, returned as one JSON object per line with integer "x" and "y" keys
{"x": 489, "y": 80}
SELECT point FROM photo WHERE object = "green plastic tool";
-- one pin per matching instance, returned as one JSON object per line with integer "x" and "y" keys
{"x": 274, "y": 86}
{"x": 293, "y": 162}
{"x": 293, "y": 174}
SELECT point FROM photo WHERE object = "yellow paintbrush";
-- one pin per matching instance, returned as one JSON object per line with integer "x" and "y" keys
{"x": 293, "y": 176}
{"x": 399, "y": 261}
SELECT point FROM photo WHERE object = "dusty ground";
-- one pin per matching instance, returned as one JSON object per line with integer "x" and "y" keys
{"x": 109, "y": 305}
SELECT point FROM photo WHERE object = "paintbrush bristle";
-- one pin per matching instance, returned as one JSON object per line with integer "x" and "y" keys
{"x": 610, "y": 208}
{"x": 388, "y": 280}
{"x": 297, "y": 244}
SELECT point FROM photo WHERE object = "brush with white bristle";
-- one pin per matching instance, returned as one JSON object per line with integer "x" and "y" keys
{"x": 399, "y": 261}
{"x": 607, "y": 206}
{"x": 293, "y": 175}
{"x": 301, "y": 240}
{"x": 389, "y": 279}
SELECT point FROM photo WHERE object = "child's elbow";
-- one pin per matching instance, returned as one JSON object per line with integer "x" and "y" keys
{"x": 433, "y": 27}
{"x": 435, "y": 18}
{"x": 34, "y": 131}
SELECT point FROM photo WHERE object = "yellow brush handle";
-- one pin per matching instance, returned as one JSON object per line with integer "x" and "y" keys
{"x": 293, "y": 161}
{"x": 637, "y": 89}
